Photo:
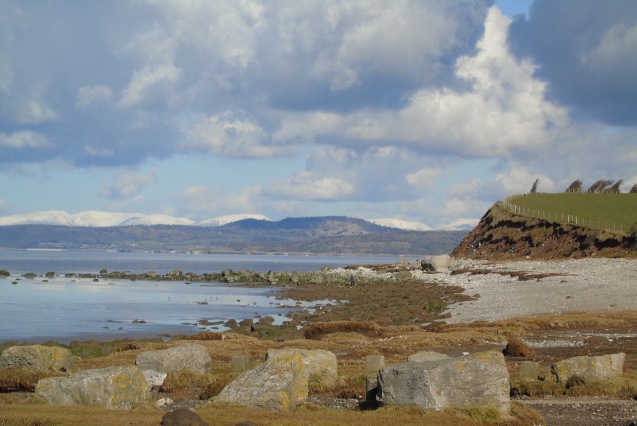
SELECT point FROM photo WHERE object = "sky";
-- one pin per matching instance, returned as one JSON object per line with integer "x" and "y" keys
{"x": 418, "y": 110}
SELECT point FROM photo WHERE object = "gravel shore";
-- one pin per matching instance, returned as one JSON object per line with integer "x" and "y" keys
{"x": 582, "y": 285}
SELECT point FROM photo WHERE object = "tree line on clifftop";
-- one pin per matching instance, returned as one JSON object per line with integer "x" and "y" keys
{"x": 602, "y": 186}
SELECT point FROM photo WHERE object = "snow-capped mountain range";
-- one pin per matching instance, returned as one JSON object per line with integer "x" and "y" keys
{"x": 107, "y": 219}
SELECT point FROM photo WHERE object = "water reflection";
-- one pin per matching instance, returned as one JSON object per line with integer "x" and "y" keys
{"x": 64, "y": 309}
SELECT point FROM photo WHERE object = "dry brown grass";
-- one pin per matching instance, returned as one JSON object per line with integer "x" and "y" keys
{"x": 37, "y": 413}
{"x": 620, "y": 387}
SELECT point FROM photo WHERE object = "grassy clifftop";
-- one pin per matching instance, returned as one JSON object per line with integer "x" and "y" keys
{"x": 503, "y": 234}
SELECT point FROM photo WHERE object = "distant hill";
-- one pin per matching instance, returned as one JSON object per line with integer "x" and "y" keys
{"x": 312, "y": 235}
{"x": 109, "y": 219}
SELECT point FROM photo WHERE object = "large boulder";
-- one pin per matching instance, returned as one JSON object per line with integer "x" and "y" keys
{"x": 317, "y": 361}
{"x": 120, "y": 387}
{"x": 439, "y": 263}
{"x": 589, "y": 367}
{"x": 182, "y": 417}
{"x": 37, "y": 357}
{"x": 479, "y": 379}
{"x": 191, "y": 357}
{"x": 279, "y": 384}
{"x": 426, "y": 356}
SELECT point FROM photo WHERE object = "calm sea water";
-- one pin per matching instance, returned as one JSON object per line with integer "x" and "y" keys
{"x": 64, "y": 309}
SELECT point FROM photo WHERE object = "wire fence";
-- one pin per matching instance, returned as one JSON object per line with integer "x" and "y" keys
{"x": 560, "y": 217}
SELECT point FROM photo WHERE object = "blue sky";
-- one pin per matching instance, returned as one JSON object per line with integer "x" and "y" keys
{"x": 418, "y": 110}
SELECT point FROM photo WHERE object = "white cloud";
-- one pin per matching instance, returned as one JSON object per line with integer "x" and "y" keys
{"x": 381, "y": 38}
{"x": 147, "y": 80}
{"x": 233, "y": 135}
{"x": 128, "y": 185}
{"x": 503, "y": 112}
{"x": 519, "y": 180}
{"x": 88, "y": 96}
{"x": 199, "y": 199}
{"x": 33, "y": 111}
{"x": 465, "y": 189}
{"x": 24, "y": 139}
{"x": 426, "y": 177}
{"x": 309, "y": 186}
{"x": 99, "y": 152}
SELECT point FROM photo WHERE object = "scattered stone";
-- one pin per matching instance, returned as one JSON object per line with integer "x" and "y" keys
{"x": 191, "y": 357}
{"x": 479, "y": 379}
{"x": 182, "y": 417}
{"x": 37, "y": 357}
{"x": 516, "y": 347}
{"x": 278, "y": 384}
{"x": 127, "y": 347}
{"x": 120, "y": 387}
{"x": 163, "y": 402}
{"x": 403, "y": 275}
{"x": 589, "y": 368}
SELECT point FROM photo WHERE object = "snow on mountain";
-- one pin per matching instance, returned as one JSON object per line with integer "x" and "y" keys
{"x": 156, "y": 219}
{"x": 105, "y": 219}
{"x": 400, "y": 224}
{"x": 100, "y": 219}
{"x": 223, "y": 220}
{"x": 49, "y": 217}
{"x": 465, "y": 224}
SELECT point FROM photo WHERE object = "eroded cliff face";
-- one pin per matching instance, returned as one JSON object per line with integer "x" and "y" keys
{"x": 503, "y": 235}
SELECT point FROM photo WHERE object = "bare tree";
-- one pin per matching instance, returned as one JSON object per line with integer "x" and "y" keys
{"x": 575, "y": 187}
{"x": 599, "y": 186}
{"x": 616, "y": 188}
{"x": 534, "y": 188}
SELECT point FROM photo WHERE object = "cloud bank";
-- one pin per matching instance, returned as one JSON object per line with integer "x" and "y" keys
{"x": 418, "y": 110}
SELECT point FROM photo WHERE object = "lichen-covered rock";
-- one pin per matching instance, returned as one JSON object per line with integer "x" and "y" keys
{"x": 37, "y": 357}
{"x": 121, "y": 387}
{"x": 278, "y": 384}
{"x": 424, "y": 356}
{"x": 191, "y": 357}
{"x": 317, "y": 361}
{"x": 529, "y": 369}
{"x": 154, "y": 378}
{"x": 589, "y": 367}
{"x": 479, "y": 379}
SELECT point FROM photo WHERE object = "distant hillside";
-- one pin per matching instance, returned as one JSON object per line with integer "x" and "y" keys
{"x": 314, "y": 235}
{"x": 503, "y": 234}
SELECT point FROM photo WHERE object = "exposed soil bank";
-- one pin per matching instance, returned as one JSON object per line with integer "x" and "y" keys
{"x": 504, "y": 235}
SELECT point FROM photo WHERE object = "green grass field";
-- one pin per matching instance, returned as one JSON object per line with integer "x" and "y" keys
{"x": 616, "y": 212}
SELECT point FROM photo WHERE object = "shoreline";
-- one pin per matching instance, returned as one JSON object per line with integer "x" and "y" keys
{"x": 557, "y": 287}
